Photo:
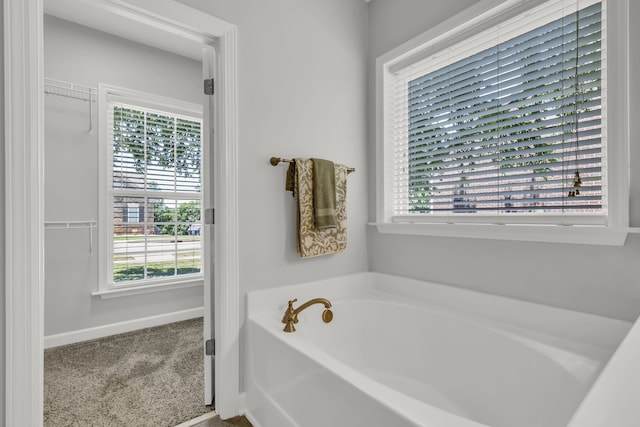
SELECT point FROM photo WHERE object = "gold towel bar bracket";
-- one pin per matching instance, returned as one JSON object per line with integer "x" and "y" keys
{"x": 275, "y": 161}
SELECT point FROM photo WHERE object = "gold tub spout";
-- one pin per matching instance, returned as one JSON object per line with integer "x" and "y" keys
{"x": 291, "y": 315}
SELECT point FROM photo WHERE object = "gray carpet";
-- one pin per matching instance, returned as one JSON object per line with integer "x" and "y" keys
{"x": 152, "y": 377}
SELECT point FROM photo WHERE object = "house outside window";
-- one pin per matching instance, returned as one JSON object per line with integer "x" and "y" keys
{"x": 151, "y": 190}
{"x": 502, "y": 120}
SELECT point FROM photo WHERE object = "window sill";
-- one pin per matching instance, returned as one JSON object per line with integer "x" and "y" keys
{"x": 146, "y": 289}
{"x": 584, "y": 235}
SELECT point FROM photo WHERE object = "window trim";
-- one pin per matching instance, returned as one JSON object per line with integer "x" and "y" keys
{"x": 148, "y": 288}
{"x": 107, "y": 95}
{"x": 473, "y": 20}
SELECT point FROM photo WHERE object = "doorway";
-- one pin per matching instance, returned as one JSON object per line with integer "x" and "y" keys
{"x": 123, "y": 145}
{"x": 25, "y": 209}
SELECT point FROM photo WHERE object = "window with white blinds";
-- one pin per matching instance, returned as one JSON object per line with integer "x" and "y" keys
{"x": 153, "y": 194}
{"x": 508, "y": 122}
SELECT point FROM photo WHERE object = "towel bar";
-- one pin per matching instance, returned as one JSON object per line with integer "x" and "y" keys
{"x": 277, "y": 160}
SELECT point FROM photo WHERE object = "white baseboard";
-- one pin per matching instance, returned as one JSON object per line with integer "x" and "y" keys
{"x": 120, "y": 327}
{"x": 213, "y": 414}
{"x": 198, "y": 420}
{"x": 252, "y": 420}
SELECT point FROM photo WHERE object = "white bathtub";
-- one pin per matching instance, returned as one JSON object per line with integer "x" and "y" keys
{"x": 401, "y": 352}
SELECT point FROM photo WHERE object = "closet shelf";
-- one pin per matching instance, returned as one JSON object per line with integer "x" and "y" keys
{"x": 70, "y": 224}
{"x": 69, "y": 90}
{"x": 74, "y": 91}
{"x": 66, "y": 225}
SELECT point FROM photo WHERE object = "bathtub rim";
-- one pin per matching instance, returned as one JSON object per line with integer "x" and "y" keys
{"x": 496, "y": 308}
{"x": 595, "y": 329}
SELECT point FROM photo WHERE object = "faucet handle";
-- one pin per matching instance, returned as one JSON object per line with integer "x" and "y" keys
{"x": 288, "y": 314}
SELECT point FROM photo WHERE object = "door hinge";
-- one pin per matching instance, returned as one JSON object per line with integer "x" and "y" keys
{"x": 210, "y": 347}
{"x": 209, "y": 216}
{"x": 208, "y": 86}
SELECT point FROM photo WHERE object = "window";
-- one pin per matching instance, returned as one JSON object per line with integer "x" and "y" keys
{"x": 501, "y": 120}
{"x": 133, "y": 213}
{"x": 151, "y": 190}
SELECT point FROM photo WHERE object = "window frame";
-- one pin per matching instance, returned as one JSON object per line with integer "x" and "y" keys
{"x": 480, "y": 17}
{"x": 107, "y": 96}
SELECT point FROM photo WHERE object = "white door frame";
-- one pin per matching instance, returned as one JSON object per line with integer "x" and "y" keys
{"x": 208, "y": 230}
{"x": 24, "y": 197}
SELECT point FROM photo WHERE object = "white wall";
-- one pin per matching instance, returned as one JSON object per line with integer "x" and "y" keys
{"x": 301, "y": 93}
{"x": 2, "y": 219}
{"x": 595, "y": 279}
{"x": 302, "y": 68}
{"x": 77, "y": 54}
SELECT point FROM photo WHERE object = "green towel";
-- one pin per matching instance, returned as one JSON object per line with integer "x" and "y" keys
{"x": 324, "y": 194}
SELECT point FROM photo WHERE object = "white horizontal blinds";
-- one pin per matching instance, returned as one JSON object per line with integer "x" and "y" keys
{"x": 155, "y": 151}
{"x": 493, "y": 130}
{"x": 156, "y": 194}
{"x": 188, "y": 155}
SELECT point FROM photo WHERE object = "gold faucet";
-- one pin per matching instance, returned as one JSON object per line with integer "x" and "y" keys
{"x": 291, "y": 316}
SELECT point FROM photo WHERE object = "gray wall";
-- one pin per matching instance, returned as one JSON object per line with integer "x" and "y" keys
{"x": 301, "y": 89}
{"x": 2, "y": 219}
{"x": 595, "y": 279}
{"x": 77, "y": 54}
